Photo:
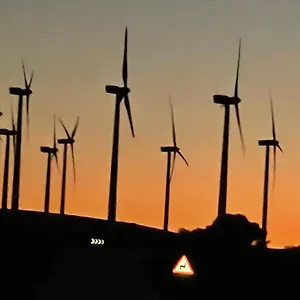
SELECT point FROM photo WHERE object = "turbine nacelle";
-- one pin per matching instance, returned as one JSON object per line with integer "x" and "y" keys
{"x": 45, "y": 149}
{"x": 11, "y": 132}
{"x": 116, "y": 90}
{"x": 3, "y": 131}
{"x": 65, "y": 141}
{"x": 226, "y": 100}
{"x": 268, "y": 143}
{"x": 20, "y": 92}
{"x": 16, "y": 91}
{"x": 169, "y": 149}
{"x": 48, "y": 150}
{"x": 7, "y": 132}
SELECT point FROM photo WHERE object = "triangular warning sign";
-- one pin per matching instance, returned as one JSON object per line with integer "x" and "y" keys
{"x": 183, "y": 267}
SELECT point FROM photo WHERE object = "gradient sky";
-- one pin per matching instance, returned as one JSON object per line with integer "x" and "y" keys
{"x": 184, "y": 48}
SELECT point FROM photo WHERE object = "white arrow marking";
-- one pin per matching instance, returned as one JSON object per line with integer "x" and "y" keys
{"x": 97, "y": 241}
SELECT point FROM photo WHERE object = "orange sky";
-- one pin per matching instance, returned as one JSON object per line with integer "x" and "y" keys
{"x": 188, "y": 51}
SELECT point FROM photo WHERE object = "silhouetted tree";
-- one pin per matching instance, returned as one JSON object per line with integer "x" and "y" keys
{"x": 232, "y": 230}
{"x": 235, "y": 229}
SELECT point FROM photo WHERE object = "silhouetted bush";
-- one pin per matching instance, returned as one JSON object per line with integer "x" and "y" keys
{"x": 231, "y": 230}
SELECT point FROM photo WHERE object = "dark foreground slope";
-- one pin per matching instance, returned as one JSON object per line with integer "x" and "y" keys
{"x": 51, "y": 257}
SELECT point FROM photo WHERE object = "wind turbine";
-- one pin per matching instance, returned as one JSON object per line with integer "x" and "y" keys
{"x": 121, "y": 93}
{"x": 67, "y": 141}
{"x": 51, "y": 152}
{"x": 17, "y": 161}
{"x": 8, "y": 133}
{"x": 227, "y": 101}
{"x": 170, "y": 149}
{"x": 267, "y": 143}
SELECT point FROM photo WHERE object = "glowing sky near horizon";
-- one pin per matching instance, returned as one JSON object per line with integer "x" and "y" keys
{"x": 186, "y": 49}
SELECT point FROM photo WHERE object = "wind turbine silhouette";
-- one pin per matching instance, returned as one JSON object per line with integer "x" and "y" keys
{"x": 226, "y": 101}
{"x": 17, "y": 161}
{"x": 267, "y": 143}
{"x": 67, "y": 141}
{"x": 121, "y": 93}
{"x": 170, "y": 149}
{"x": 51, "y": 152}
{"x": 8, "y": 133}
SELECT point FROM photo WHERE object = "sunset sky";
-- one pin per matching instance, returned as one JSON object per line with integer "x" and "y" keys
{"x": 186, "y": 49}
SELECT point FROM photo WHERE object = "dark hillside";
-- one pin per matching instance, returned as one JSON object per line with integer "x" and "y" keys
{"x": 50, "y": 257}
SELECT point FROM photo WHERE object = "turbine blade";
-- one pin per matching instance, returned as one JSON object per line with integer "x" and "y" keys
{"x": 181, "y": 155}
{"x": 240, "y": 126}
{"x": 237, "y": 71}
{"x": 65, "y": 129}
{"x": 274, "y": 167}
{"x": 56, "y": 161}
{"x": 24, "y": 74}
{"x": 12, "y": 117}
{"x": 274, "y": 164}
{"x": 27, "y": 116}
{"x": 31, "y": 77}
{"x": 13, "y": 126}
{"x": 14, "y": 143}
{"x": 125, "y": 66}
{"x": 73, "y": 160}
{"x": 54, "y": 131}
{"x": 127, "y": 106}
{"x": 173, "y": 124}
{"x": 273, "y": 118}
{"x": 173, "y": 164}
{"x": 75, "y": 128}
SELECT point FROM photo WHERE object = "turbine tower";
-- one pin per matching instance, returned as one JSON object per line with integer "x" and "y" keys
{"x": 275, "y": 144}
{"x": 51, "y": 152}
{"x": 227, "y": 101}
{"x": 67, "y": 141}
{"x": 17, "y": 161}
{"x": 121, "y": 93}
{"x": 8, "y": 133}
{"x": 170, "y": 149}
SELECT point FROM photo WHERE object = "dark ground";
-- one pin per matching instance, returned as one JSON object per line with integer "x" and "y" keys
{"x": 50, "y": 257}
